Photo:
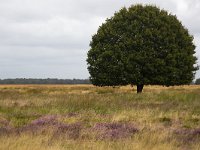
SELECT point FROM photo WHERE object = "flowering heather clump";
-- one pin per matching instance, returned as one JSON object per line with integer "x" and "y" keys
{"x": 5, "y": 127}
{"x": 71, "y": 131}
{"x": 51, "y": 122}
{"x": 4, "y": 131}
{"x": 45, "y": 120}
{"x": 188, "y": 135}
{"x": 114, "y": 130}
{"x": 38, "y": 125}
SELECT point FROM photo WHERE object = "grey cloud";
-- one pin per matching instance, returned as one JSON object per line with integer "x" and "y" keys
{"x": 40, "y": 38}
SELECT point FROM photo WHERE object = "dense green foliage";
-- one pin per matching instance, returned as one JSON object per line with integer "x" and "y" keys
{"x": 142, "y": 45}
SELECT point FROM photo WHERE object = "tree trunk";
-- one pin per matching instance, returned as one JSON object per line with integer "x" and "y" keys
{"x": 140, "y": 88}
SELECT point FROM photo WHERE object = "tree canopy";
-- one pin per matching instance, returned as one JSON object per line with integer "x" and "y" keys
{"x": 142, "y": 45}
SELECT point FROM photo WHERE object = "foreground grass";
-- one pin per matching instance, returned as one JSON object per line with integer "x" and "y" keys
{"x": 158, "y": 114}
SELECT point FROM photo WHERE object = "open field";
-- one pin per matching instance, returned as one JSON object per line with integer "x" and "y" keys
{"x": 58, "y": 117}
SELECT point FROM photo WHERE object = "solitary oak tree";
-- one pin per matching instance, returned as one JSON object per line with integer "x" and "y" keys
{"x": 142, "y": 45}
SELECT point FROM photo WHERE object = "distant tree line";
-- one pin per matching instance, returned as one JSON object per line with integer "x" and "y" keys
{"x": 44, "y": 81}
{"x": 197, "y": 81}
{"x": 54, "y": 81}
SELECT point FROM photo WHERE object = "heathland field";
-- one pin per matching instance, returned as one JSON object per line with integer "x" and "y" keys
{"x": 58, "y": 117}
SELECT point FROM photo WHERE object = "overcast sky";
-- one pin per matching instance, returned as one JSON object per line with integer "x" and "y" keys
{"x": 50, "y": 38}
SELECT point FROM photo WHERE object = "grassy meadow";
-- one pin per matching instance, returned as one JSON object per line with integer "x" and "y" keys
{"x": 58, "y": 117}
